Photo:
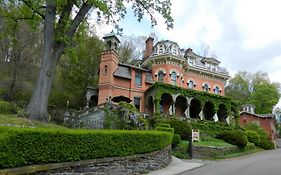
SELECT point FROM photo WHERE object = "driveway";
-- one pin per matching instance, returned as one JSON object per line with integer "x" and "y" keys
{"x": 263, "y": 163}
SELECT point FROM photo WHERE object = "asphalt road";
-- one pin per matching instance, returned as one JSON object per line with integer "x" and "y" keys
{"x": 263, "y": 163}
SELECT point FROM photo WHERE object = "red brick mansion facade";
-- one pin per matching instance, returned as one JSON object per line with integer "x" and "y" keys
{"x": 163, "y": 62}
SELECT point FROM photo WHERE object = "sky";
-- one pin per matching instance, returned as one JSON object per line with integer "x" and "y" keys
{"x": 245, "y": 35}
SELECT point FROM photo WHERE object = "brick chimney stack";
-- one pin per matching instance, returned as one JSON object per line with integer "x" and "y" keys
{"x": 148, "y": 47}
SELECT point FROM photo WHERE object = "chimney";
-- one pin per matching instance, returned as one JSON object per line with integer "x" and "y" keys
{"x": 148, "y": 47}
{"x": 189, "y": 50}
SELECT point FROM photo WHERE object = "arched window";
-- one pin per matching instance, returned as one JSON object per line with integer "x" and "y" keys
{"x": 174, "y": 78}
{"x": 160, "y": 76}
{"x": 190, "y": 84}
{"x": 217, "y": 90}
{"x": 105, "y": 70}
{"x": 205, "y": 87}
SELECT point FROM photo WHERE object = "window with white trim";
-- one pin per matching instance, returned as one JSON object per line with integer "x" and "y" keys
{"x": 174, "y": 78}
{"x": 161, "y": 76}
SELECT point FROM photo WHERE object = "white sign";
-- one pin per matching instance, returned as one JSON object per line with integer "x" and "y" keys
{"x": 195, "y": 135}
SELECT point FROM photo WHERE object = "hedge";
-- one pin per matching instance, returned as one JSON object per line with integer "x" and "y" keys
{"x": 253, "y": 137}
{"x": 27, "y": 146}
{"x": 183, "y": 128}
{"x": 213, "y": 128}
{"x": 234, "y": 137}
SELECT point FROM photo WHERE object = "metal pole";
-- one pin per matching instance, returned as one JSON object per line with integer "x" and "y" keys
{"x": 190, "y": 147}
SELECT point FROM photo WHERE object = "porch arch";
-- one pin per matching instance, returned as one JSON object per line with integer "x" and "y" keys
{"x": 166, "y": 103}
{"x": 222, "y": 113}
{"x": 180, "y": 105}
{"x": 208, "y": 110}
{"x": 195, "y": 108}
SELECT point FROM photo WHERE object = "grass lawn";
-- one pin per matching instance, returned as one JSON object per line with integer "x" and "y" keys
{"x": 212, "y": 142}
{"x": 12, "y": 120}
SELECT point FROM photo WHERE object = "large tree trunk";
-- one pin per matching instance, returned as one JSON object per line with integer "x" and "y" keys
{"x": 37, "y": 107}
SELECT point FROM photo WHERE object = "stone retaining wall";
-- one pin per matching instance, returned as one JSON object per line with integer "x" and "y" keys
{"x": 200, "y": 152}
{"x": 129, "y": 165}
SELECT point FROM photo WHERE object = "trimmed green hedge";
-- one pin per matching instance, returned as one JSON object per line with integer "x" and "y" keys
{"x": 183, "y": 128}
{"x": 234, "y": 137}
{"x": 22, "y": 146}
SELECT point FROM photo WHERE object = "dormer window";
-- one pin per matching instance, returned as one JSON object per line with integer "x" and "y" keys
{"x": 160, "y": 76}
{"x": 161, "y": 49}
{"x": 190, "y": 61}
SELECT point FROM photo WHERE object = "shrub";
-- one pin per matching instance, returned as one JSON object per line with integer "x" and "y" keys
{"x": 182, "y": 128}
{"x": 159, "y": 128}
{"x": 27, "y": 146}
{"x": 253, "y": 137}
{"x": 176, "y": 140}
{"x": 7, "y": 107}
{"x": 265, "y": 141}
{"x": 165, "y": 125}
{"x": 234, "y": 137}
{"x": 212, "y": 128}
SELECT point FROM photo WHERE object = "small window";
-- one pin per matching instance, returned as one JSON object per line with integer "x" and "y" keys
{"x": 137, "y": 103}
{"x": 191, "y": 84}
{"x": 138, "y": 78}
{"x": 161, "y": 49}
{"x": 105, "y": 70}
{"x": 217, "y": 90}
{"x": 160, "y": 76}
{"x": 174, "y": 78}
{"x": 205, "y": 87}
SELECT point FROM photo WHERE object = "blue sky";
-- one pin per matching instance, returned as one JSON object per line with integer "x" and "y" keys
{"x": 244, "y": 34}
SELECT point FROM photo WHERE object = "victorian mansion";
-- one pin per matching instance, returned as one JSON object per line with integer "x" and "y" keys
{"x": 164, "y": 63}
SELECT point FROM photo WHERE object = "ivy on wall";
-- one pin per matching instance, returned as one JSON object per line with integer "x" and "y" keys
{"x": 203, "y": 97}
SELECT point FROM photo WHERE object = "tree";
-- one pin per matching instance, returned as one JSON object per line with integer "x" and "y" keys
{"x": 77, "y": 70}
{"x": 20, "y": 44}
{"x": 238, "y": 88}
{"x": 264, "y": 97}
{"x": 61, "y": 20}
{"x": 255, "y": 89}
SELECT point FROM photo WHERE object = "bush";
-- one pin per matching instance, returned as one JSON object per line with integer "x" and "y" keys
{"x": 27, "y": 146}
{"x": 212, "y": 128}
{"x": 171, "y": 130}
{"x": 7, "y": 107}
{"x": 253, "y": 137}
{"x": 181, "y": 127}
{"x": 165, "y": 125}
{"x": 181, "y": 150}
{"x": 265, "y": 141}
{"x": 176, "y": 140}
{"x": 234, "y": 137}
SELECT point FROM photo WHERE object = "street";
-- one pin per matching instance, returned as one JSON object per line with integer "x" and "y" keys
{"x": 263, "y": 163}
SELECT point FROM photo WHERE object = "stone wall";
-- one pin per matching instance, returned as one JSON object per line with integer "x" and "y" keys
{"x": 129, "y": 165}
{"x": 200, "y": 152}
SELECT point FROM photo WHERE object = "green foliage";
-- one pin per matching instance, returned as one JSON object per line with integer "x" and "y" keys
{"x": 176, "y": 140}
{"x": 254, "y": 89}
{"x": 159, "y": 128}
{"x": 231, "y": 106}
{"x": 265, "y": 141}
{"x": 253, "y": 137}
{"x": 181, "y": 150}
{"x": 7, "y": 107}
{"x": 234, "y": 137}
{"x": 238, "y": 87}
{"x": 22, "y": 146}
{"x": 265, "y": 97}
{"x": 165, "y": 125}
{"x": 182, "y": 128}
{"x": 125, "y": 117}
{"x": 212, "y": 128}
